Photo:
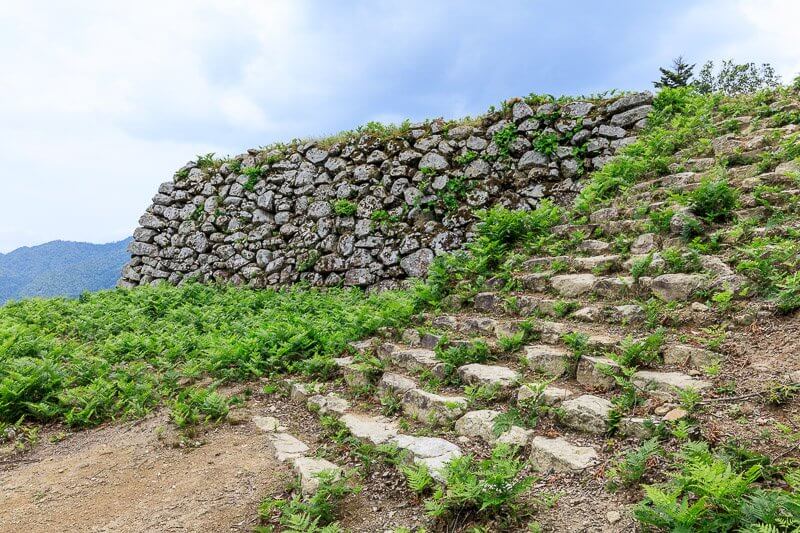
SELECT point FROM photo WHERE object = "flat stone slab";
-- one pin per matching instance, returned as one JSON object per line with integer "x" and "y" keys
{"x": 376, "y": 430}
{"x": 591, "y": 372}
{"x": 268, "y": 424}
{"x": 667, "y": 381}
{"x": 477, "y": 325}
{"x": 587, "y": 413}
{"x": 680, "y": 287}
{"x": 594, "y": 246}
{"x": 364, "y": 346}
{"x": 681, "y": 354}
{"x": 516, "y": 436}
{"x": 300, "y": 392}
{"x": 433, "y": 409}
{"x": 551, "y": 360}
{"x": 478, "y": 424}
{"x": 395, "y": 383}
{"x": 549, "y": 396}
{"x": 432, "y": 452}
{"x": 493, "y": 375}
{"x": 559, "y": 455}
{"x": 308, "y": 470}
{"x": 573, "y": 285}
{"x": 329, "y": 403}
{"x": 605, "y": 262}
{"x": 285, "y": 446}
{"x": 414, "y": 358}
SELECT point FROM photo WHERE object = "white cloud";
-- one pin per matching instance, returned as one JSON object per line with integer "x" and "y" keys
{"x": 101, "y": 101}
{"x": 762, "y": 31}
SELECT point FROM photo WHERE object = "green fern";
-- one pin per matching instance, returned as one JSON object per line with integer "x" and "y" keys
{"x": 418, "y": 478}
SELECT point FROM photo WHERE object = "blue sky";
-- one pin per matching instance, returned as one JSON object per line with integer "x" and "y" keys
{"x": 101, "y": 101}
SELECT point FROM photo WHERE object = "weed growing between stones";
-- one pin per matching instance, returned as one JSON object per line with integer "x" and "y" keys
{"x": 317, "y": 513}
{"x": 490, "y": 488}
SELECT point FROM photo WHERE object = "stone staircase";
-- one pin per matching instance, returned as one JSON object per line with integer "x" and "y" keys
{"x": 588, "y": 290}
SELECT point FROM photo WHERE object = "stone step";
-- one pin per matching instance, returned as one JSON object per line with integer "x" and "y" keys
{"x": 330, "y": 403}
{"x": 667, "y": 287}
{"x": 431, "y": 408}
{"x": 308, "y": 470}
{"x": 413, "y": 359}
{"x": 593, "y": 372}
{"x": 591, "y": 263}
{"x": 587, "y": 413}
{"x": 285, "y": 446}
{"x": 376, "y": 430}
{"x": 433, "y": 452}
{"x": 667, "y": 382}
{"x": 549, "y": 395}
{"x": 478, "y": 423}
{"x": 683, "y": 354}
{"x": 288, "y": 448}
{"x": 561, "y": 456}
{"x": 502, "y": 378}
{"x": 396, "y": 384}
{"x": 553, "y": 361}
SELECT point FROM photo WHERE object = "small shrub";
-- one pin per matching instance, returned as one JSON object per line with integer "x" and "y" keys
{"x": 466, "y": 158}
{"x": 546, "y": 143}
{"x": 503, "y": 139}
{"x": 714, "y": 200}
{"x": 788, "y": 296}
{"x": 485, "y": 487}
{"x": 712, "y": 492}
{"x": 641, "y": 267}
{"x": 562, "y": 308}
{"x": 418, "y": 478}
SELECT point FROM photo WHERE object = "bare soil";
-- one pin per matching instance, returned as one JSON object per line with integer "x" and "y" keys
{"x": 123, "y": 477}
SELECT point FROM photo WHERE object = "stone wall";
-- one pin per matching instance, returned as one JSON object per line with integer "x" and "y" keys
{"x": 375, "y": 207}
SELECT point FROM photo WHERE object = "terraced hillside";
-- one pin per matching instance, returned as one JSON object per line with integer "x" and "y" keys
{"x": 628, "y": 362}
{"x": 614, "y": 343}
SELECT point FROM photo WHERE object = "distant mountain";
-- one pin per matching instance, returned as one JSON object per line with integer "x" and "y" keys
{"x": 61, "y": 268}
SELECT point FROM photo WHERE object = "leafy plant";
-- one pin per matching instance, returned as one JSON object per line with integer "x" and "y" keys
{"x": 315, "y": 514}
{"x": 456, "y": 356}
{"x": 193, "y": 406}
{"x": 120, "y": 354}
{"x": 418, "y": 478}
{"x": 503, "y": 139}
{"x": 714, "y": 200}
{"x": 485, "y": 487}
{"x": 710, "y": 493}
{"x": 632, "y": 466}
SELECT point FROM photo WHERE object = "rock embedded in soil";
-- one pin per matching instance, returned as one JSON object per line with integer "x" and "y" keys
{"x": 561, "y": 456}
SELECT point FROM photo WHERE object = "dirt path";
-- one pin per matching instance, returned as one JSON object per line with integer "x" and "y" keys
{"x": 123, "y": 478}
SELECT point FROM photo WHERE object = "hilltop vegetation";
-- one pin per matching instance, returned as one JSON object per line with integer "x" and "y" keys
{"x": 61, "y": 268}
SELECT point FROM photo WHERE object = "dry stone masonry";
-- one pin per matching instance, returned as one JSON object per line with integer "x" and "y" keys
{"x": 374, "y": 209}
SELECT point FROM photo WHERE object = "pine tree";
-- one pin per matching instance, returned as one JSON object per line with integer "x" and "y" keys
{"x": 678, "y": 76}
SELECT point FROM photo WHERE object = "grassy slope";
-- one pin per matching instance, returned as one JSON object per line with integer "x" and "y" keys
{"x": 121, "y": 353}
